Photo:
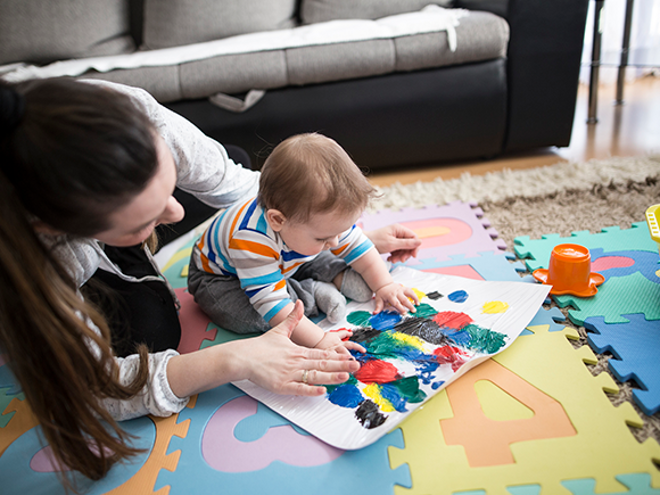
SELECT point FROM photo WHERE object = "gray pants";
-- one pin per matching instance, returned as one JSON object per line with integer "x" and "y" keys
{"x": 223, "y": 300}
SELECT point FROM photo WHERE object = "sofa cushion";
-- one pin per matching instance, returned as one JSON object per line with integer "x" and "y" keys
{"x": 239, "y": 73}
{"x": 39, "y": 32}
{"x": 312, "y": 11}
{"x": 480, "y": 36}
{"x": 181, "y": 22}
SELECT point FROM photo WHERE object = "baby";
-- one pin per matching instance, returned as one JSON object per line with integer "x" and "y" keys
{"x": 296, "y": 240}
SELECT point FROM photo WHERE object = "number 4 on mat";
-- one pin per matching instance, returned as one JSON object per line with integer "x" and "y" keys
{"x": 486, "y": 441}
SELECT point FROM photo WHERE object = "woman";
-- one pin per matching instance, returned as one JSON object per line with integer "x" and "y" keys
{"x": 87, "y": 171}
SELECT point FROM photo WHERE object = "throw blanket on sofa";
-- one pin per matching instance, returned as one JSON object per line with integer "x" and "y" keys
{"x": 429, "y": 20}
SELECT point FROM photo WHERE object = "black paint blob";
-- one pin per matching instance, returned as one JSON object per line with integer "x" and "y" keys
{"x": 369, "y": 415}
{"x": 434, "y": 295}
{"x": 423, "y": 328}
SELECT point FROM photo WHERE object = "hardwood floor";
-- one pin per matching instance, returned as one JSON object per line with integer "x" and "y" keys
{"x": 622, "y": 130}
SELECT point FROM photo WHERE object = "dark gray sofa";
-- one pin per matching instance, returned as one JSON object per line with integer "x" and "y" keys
{"x": 390, "y": 101}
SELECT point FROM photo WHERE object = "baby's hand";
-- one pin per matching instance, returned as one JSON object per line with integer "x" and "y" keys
{"x": 334, "y": 340}
{"x": 397, "y": 296}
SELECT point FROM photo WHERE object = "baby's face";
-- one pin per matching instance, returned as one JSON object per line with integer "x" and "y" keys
{"x": 322, "y": 231}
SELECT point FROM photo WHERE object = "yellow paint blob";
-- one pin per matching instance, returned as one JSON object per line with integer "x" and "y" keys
{"x": 410, "y": 340}
{"x": 494, "y": 307}
{"x": 373, "y": 392}
{"x": 427, "y": 232}
{"x": 657, "y": 274}
{"x": 418, "y": 293}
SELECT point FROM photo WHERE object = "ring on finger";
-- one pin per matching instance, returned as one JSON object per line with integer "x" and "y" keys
{"x": 304, "y": 376}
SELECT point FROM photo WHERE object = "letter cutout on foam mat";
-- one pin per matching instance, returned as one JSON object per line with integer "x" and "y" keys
{"x": 601, "y": 450}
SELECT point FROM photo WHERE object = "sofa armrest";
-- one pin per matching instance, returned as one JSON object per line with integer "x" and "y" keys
{"x": 543, "y": 67}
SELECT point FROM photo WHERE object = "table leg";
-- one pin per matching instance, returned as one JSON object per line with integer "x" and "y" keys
{"x": 595, "y": 63}
{"x": 621, "y": 78}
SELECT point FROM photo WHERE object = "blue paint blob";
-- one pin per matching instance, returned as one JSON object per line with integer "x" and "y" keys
{"x": 459, "y": 337}
{"x": 425, "y": 370}
{"x": 392, "y": 394}
{"x": 459, "y": 296}
{"x": 346, "y": 396}
{"x": 437, "y": 385}
{"x": 362, "y": 357}
{"x": 385, "y": 320}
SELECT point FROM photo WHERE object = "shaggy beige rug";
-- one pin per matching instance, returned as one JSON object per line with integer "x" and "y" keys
{"x": 561, "y": 199}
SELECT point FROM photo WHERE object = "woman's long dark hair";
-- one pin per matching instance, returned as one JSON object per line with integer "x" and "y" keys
{"x": 71, "y": 152}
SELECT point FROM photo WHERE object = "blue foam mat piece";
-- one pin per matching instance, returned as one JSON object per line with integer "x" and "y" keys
{"x": 636, "y": 347}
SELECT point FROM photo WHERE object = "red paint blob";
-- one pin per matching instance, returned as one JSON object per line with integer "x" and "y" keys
{"x": 450, "y": 355}
{"x": 451, "y": 319}
{"x": 377, "y": 371}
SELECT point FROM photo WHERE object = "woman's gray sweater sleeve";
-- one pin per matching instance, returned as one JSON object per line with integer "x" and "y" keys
{"x": 203, "y": 167}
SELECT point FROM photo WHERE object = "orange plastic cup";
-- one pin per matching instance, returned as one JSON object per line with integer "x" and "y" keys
{"x": 569, "y": 272}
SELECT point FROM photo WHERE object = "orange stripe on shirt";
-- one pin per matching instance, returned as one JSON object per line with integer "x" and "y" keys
{"x": 205, "y": 263}
{"x": 201, "y": 243}
{"x": 288, "y": 269}
{"x": 279, "y": 285}
{"x": 253, "y": 247}
{"x": 339, "y": 250}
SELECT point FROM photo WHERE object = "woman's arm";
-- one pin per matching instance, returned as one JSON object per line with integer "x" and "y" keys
{"x": 271, "y": 361}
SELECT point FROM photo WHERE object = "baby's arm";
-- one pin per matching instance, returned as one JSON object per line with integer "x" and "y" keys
{"x": 308, "y": 334}
{"x": 374, "y": 272}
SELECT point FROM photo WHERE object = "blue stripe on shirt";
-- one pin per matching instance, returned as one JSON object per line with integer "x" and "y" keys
{"x": 270, "y": 278}
{"x": 358, "y": 251}
{"x": 276, "y": 309}
{"x": 291, "y": 255}
{"x": 262, "y": 226}
{"x": 247, "y": 216}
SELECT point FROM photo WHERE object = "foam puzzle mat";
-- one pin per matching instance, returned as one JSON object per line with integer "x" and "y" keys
{"x": 624, "y": 317}
{"x": 531, "y": 421}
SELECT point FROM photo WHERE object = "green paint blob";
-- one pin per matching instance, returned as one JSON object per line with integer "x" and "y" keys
{"x": 484, "y": 340}
{"x": 384, "y": 346}
{"x": 359, "y": 318}
{"x": 387, "y": 346}
{"x": 425, "y": 310}
{"x": 408, "y": 387}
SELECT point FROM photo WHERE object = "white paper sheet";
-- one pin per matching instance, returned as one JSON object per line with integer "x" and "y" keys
{"x": 502, "y": 307}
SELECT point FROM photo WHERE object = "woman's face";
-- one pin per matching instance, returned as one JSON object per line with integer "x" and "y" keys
{"x": 133, "y": 223}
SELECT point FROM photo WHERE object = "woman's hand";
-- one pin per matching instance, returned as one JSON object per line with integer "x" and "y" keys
{"x": 271, "y": 361}
{"x": 277, "y": 364}
{"x": 401, "y": 242}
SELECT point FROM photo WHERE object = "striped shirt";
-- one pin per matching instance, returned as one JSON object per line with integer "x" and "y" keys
{"x": 240, "y": 243}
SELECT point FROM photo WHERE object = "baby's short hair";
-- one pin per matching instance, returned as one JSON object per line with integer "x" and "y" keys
{"x": 310, "y": 173}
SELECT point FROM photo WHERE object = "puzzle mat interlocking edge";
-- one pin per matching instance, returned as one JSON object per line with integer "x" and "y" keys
{"x": 508, "y": 427}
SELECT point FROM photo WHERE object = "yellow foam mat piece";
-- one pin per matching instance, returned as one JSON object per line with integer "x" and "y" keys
{"x": 178, "y": 256}
{"x": 145, "y": 479}
{"x": 22, "y": 421}
{"x": 575, "y": 433}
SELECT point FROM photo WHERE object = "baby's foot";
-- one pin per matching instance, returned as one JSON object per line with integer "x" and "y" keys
{"x": 354, "y": 287}
{"x": 329, "y": 300}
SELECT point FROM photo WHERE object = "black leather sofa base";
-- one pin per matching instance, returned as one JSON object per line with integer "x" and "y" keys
{"x": 398, "y": 119}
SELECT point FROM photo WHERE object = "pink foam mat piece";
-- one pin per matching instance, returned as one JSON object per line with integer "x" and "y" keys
{"x": 223, "y": 452}
{"x": 455, "y": 228}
